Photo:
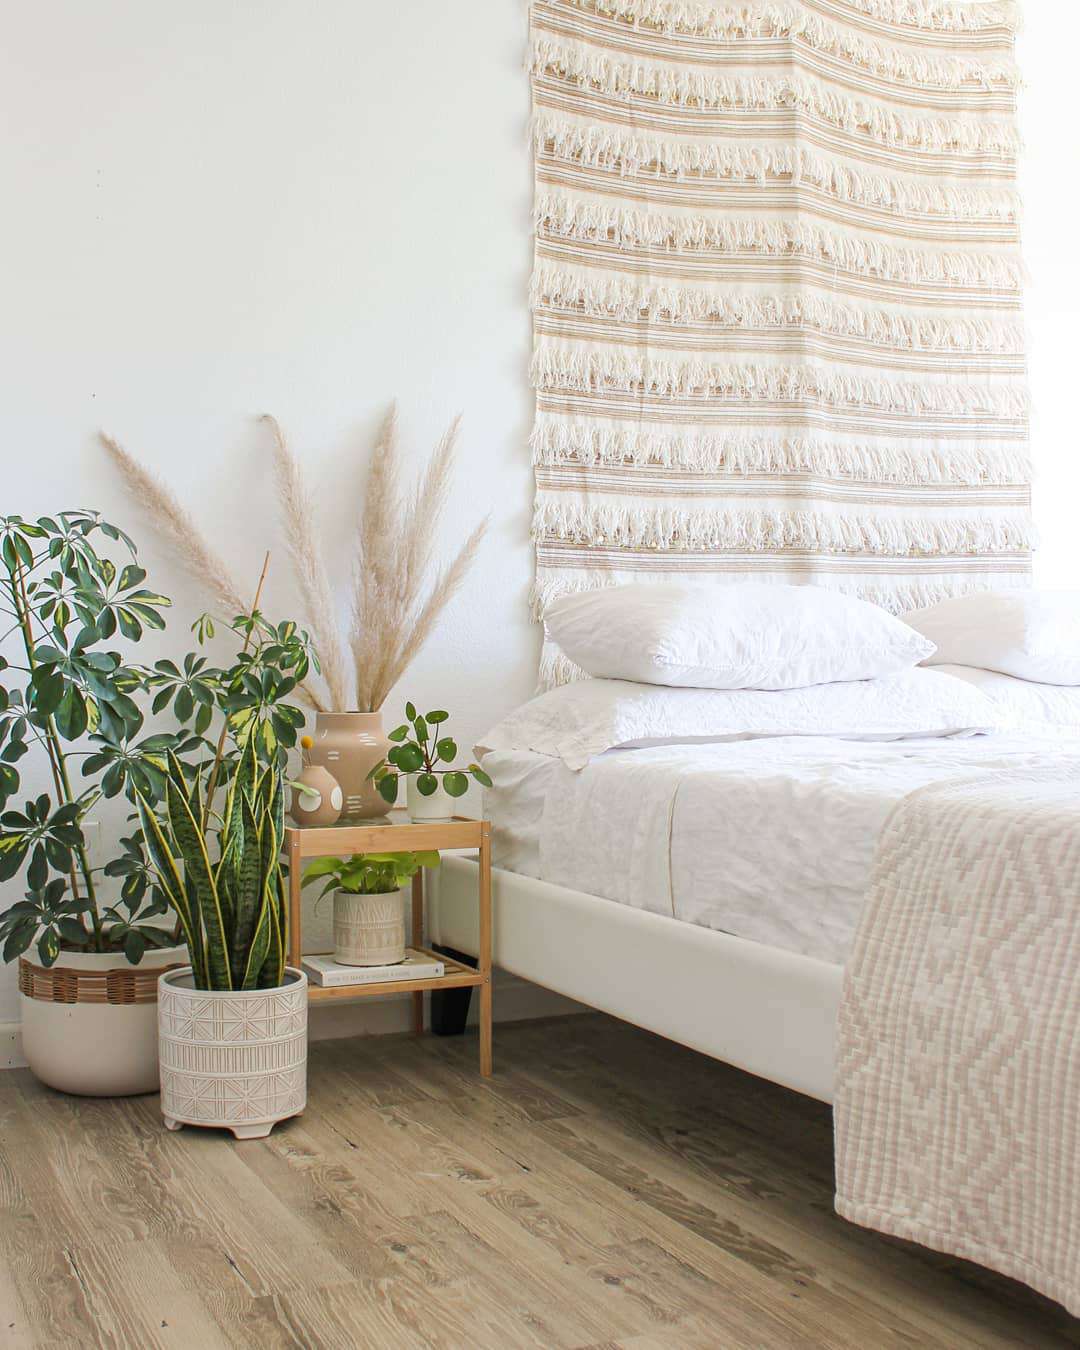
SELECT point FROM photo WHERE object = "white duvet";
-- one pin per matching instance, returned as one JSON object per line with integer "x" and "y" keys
{"x": 770, "y": 839}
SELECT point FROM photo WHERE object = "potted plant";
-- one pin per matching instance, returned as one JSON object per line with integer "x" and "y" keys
{"x": 423, "y": 752}
{"x": 369, "y": 903}
{"x": 233, "y": 1022}
{"x": 397, "y": 596}
{"x": 88, "y": 990}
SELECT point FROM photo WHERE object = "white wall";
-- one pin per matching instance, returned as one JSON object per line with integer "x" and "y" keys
{"x": 215, "y": 209}
{"x": 212, "y": 210}
{"x": 1047, "y": 52}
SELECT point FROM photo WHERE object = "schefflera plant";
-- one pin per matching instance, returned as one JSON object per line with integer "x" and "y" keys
{"x": 231, "y": 908}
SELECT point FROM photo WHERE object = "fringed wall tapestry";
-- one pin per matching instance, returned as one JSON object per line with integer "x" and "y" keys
{"x": 777, "y": 296}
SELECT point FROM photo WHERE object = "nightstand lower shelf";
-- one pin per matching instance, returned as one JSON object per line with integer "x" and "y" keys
{"x": 457, "y": 976}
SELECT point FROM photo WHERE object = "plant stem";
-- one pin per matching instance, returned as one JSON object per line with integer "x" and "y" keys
{"x": 215, "y": 769}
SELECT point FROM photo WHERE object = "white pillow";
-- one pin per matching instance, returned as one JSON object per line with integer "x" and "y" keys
{"x": 577, "y": 721}
{"x": 742, "y": 636}
{"x": 1034, "y": 635}
{"x": 1046, "y": 709}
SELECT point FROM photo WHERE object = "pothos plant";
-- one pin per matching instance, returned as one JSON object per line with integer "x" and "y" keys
{"x": 369, "y": 873}
{"x": 428, "y": 752}
{"x": 69, "y": 695}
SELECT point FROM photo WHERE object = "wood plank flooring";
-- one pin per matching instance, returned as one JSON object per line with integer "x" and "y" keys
{"x": 605, "y": 1189}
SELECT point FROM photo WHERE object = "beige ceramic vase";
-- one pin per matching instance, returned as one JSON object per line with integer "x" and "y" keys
{"x": 369, "y": 930}
{"x": 349, "y": 745}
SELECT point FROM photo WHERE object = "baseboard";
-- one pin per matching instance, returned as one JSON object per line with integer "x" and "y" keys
{"x": 11, "y": 1055}
{"x": 514, "y": 1001}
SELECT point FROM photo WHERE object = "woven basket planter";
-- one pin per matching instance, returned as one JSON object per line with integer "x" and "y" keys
{"x": 236, "y": 1059}
{"x": 369, "y": 930}
{"x": 89, "y": 1023}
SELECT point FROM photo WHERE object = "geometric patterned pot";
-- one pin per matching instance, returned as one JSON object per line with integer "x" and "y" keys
{"x": 232, "y": 1058}
{"x": 369, "y": 930}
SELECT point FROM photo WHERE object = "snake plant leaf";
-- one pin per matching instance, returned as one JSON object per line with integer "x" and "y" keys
{"x": 247, "y": 876}
{"x": 260, "y": 942}
{"x": 199, "y": 877}
{"x": 272, "y": 973}
{"x": 171, "y": 883}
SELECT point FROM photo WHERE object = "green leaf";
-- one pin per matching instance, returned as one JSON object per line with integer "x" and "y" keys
{"x": 48, "y": 947}
{"x": 410, "y": 712}
{"x": 447, "y": 749}
{"x": 408, "y": 758}
{"x": 480, "y": 775}
{"x": 200, "y": 879}
{"x": 388, "y": 788}
{"x": 455, "y": 783}
{"x": 436, "y": 717}
{"x": 427, "y": 784}
{"x": 72, "y": 717}
{"x": 398, "y": 733}
{"x": 19, "y": 939}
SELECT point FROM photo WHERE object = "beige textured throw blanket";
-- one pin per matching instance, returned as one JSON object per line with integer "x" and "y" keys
{"x": 957, "y": 1103}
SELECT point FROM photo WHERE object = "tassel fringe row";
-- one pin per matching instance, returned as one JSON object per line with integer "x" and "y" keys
{"x": 556, "y": 442}
{"x": 707, "y": 18}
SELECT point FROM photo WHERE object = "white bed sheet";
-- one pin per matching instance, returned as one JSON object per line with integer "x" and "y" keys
{"x": 770, "y": 840}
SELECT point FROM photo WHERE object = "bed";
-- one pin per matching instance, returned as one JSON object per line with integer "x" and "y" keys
{"x": 605, "y": 881}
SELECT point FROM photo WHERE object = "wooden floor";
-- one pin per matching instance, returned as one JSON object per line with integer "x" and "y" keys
{"x": 604, "y": 1189}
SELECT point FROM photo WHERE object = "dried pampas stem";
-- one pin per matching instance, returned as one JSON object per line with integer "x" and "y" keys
{"x": 298, "y": 518}
{"x": 391, "y": 620}
{"x": 178, "y": 530}
{"x": 189, "y": 547}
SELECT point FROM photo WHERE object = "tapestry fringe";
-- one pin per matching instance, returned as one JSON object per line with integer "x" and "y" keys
{"x": 556, "y": 441}
{"x": 792, "y": 21}
{"x": 631, "y": 152}
{"x": 700, "y": 90}
{"x": 600, "y": 296}
{"x": 566, "y": 58}
{"x": 602, "y": 222}
{"x": 707, "y": 18}
{"x": 584, "y": 369}
{"x": 664, "y": 528}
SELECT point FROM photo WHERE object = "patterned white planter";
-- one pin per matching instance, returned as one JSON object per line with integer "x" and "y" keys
{"x": 232, "y": 1058}
{"x": 369, "y": 930}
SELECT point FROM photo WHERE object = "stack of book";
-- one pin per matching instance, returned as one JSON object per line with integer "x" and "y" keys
{"x": 325, "y": 970}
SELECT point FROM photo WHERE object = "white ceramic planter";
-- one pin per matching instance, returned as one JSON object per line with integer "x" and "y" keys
{"x": 369, "y": 930}
{"x": 106, "y": 1047}
{"x": 233, "y": 1058}
{"x": 439, "y": 806}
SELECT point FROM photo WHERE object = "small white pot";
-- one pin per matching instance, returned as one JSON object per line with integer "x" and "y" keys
{"x": 89, "y": 1023}
{"x": 439, "y": 806}
{"x": 232, "y": 1058}
{"x": 369, "y": 930}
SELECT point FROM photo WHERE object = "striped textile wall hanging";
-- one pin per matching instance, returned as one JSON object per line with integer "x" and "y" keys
{"x": 777, "y": 296}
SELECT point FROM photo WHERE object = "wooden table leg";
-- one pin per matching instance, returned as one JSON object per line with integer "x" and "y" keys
{"x": 295, "y": 881}
{"x": 485, "y": 951}
{"x": 417, "y": 938}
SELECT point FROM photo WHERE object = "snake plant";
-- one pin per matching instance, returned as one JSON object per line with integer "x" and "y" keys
{"x": 226, "y": 889}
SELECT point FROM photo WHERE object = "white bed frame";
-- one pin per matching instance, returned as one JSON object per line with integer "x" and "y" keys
{"x": 768, "y": 1011}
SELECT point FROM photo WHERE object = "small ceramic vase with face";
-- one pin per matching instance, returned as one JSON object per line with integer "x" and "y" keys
{"x": 322, "y": 802}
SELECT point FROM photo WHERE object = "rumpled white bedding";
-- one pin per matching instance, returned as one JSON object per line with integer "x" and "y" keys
{"x": 771, "y": 840}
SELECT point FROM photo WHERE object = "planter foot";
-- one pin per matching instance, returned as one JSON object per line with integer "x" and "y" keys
{"x": 171, "y": 1124}
{"x": 251, "y": 1131}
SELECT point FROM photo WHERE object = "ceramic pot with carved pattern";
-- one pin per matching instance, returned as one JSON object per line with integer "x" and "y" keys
{"x": 369, "y": 930}
{"x": 89, "y": 1022}
{"x": 232, "y": 1058}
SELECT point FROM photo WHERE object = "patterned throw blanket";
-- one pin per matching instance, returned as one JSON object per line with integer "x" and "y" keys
{"x": 957, "y": 1103}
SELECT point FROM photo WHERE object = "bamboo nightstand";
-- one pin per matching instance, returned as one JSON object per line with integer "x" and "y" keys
{"x": 395, "y": 833}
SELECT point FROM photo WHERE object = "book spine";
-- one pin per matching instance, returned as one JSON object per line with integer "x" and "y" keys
{"x": 372, "y": 976}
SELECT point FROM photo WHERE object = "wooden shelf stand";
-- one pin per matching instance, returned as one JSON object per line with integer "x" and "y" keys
{"x": 395, "y": 833}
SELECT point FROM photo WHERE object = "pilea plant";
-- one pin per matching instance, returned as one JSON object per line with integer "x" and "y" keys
{"x": 422, "y": 753}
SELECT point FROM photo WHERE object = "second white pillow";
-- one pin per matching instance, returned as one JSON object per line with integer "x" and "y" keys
{"x": 740, "y": 636}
